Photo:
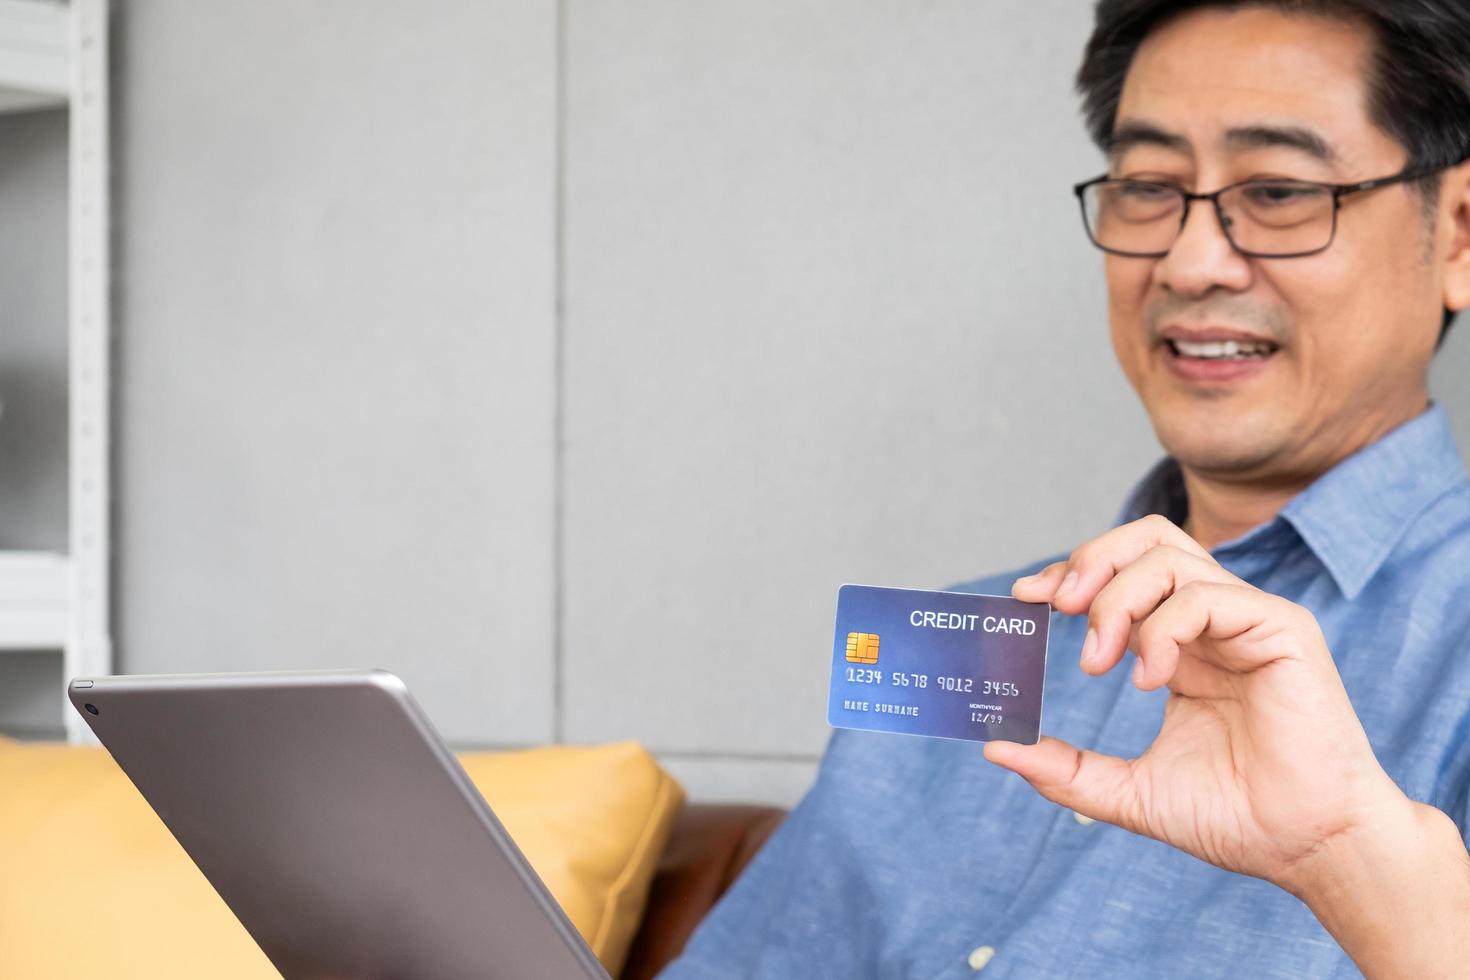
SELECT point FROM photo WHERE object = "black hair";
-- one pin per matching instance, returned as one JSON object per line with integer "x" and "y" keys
{"x": 1419, "y": 90}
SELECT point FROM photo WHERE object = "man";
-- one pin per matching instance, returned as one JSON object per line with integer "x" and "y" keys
{"x": 1271, "y": 787}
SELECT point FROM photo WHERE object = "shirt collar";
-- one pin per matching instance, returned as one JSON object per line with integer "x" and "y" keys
{"x": 1355, "y": 513}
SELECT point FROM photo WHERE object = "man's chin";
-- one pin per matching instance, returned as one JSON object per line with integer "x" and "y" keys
{"x": 1221, "y": 450}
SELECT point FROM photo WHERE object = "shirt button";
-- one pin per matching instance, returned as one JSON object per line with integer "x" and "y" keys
{"x": 1084, "y": 821}
{"x": 980, "y": 956}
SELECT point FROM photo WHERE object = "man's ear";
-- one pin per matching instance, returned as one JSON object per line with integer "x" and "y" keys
{"x": 1456, "y": 210}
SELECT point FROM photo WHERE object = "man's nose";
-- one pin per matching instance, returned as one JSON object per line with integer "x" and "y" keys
{"x": 1202, "y": 257}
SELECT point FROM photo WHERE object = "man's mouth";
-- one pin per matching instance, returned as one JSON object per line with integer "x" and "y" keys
{"x": 1222, "y": 350}
{"x": 1211, "y": 356}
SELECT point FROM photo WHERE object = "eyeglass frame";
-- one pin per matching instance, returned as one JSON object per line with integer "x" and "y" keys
{"x": 1339, "y": 191}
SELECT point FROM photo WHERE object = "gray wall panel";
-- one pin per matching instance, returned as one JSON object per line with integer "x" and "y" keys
{"x": 736, "y": 779}
{"x": 1447, "y": 380}
{"x": 831, "y": 318}
{"x": 335, "y": 395}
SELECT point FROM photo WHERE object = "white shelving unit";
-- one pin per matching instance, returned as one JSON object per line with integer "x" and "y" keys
{"x": 35, "y": 55}
{"x": 54, "y": 54}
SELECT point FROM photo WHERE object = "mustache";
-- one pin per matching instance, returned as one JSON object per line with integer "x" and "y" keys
{"x": 1222, "y": 310}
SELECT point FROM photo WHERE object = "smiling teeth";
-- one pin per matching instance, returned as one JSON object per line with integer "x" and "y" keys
{"x": 1215, "y": 349}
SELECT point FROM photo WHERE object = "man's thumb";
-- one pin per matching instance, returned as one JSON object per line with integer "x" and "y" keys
{"x": 1094, "y": 785}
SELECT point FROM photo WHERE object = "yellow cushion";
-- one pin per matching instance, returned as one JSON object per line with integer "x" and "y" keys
{"x": 93, "y": 885}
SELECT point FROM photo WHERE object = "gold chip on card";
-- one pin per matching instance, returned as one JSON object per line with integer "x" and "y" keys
{"x": 862, "y": 648}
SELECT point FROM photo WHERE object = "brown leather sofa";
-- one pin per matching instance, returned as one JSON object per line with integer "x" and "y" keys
{"x": 710, "y": 845}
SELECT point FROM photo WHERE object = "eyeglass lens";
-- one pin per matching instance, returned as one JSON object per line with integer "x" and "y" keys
{"x": 1267, "y": 217}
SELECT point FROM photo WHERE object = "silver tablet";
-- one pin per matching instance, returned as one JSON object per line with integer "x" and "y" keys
{"x": 335, "y": 823}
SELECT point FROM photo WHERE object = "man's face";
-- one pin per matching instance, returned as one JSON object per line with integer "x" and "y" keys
{"x": 1344, "y": 337}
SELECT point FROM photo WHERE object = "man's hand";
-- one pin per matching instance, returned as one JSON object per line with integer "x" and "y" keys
{"x": 1261, "y": 765}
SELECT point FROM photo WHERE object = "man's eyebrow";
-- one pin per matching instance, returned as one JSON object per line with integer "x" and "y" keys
{"x": 1138, "y": 132}
{"x": 1289, "y": 137}
{"x": 1126, "y": 135}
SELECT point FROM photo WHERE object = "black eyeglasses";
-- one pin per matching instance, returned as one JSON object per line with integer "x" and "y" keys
{"x": 1269, "y": 218}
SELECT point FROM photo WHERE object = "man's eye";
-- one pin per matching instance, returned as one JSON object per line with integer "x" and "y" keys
{"x": 1278, "y": 195}
{"x": 1145, "y": 192}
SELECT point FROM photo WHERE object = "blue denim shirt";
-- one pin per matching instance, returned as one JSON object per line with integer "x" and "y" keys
{"x": 908, "y": 855}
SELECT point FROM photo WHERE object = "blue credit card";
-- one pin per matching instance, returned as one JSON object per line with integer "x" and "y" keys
{"x": 941, "y": 664}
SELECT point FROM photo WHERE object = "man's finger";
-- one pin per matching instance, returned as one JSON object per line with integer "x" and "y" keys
{"x": 1094, "y": 785}
{"x": 1095, "y": 563}
{"x": 1261, "y": 629}
{"x": 1133, "y": 594}
{"x": 1040, "y": 586}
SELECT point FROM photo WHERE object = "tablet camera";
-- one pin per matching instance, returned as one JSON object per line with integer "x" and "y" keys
{"x": 91, "y": 708}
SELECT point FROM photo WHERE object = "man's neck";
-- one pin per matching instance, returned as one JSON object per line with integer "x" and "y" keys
{"x": 1220, "y": 512}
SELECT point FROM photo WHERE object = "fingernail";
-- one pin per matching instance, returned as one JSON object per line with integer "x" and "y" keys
{"x": 1068, "y": 584}
{"x": 1089, "y": 647}
{"x": 1137, "y": 672}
